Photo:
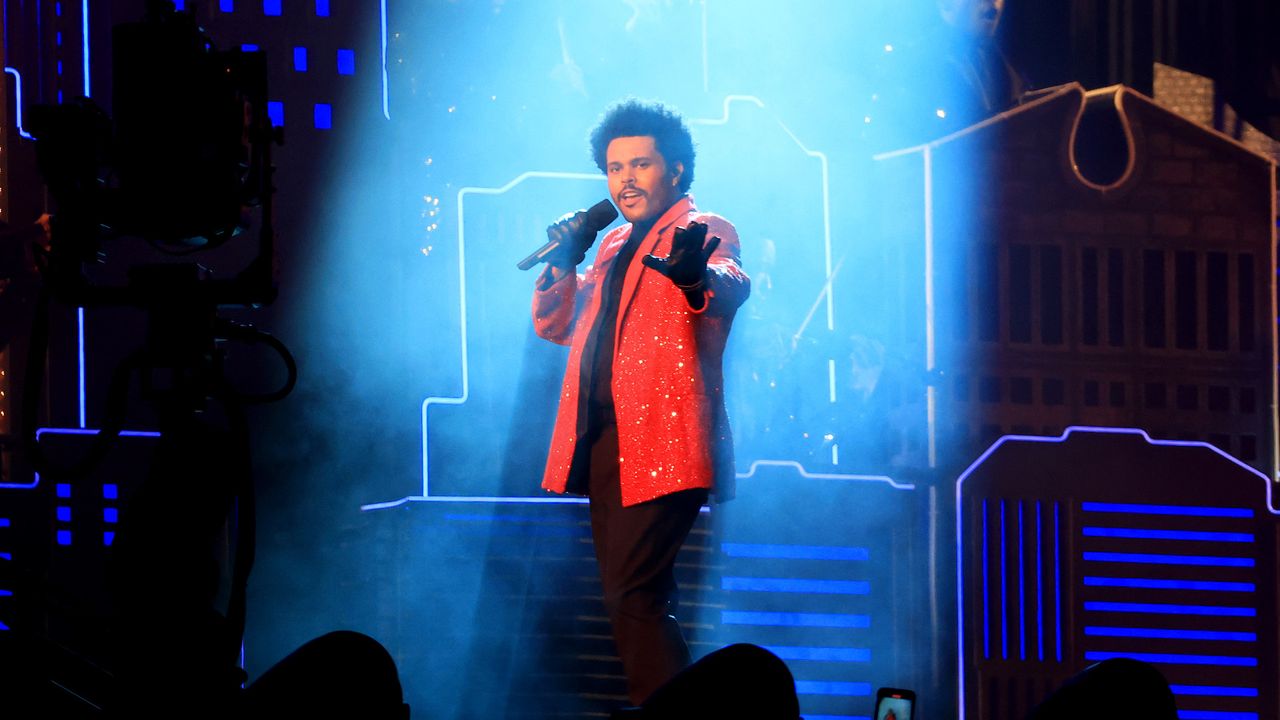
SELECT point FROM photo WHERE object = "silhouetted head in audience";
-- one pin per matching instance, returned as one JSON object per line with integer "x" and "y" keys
{"x": 1117, "y": 688}
{"x": 738, "y": 681}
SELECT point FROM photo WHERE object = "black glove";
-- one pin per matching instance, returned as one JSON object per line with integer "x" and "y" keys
{"x": 574, "y": 238}
{"x": 686, "y": 266}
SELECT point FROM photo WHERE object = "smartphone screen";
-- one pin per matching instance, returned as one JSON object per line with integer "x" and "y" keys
{"x": 893, "y": 704}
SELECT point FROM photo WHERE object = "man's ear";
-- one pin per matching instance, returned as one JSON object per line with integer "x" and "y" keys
{"x": 677, "y": 172}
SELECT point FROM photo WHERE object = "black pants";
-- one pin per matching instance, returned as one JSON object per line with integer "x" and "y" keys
{"x": 636, "y": 549}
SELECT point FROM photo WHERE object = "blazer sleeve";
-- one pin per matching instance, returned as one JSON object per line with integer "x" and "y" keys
{"x": 726, "y": 286}
{"x": 557, "y": 302}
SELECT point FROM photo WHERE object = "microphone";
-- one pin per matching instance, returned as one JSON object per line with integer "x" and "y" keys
{"x": 597, "y": 217}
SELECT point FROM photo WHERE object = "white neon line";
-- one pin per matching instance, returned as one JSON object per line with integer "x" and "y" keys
{"x": 560, "y": 500}
{"x": 931, "y": 350}
{"x": 84, "y": 27}
{"x": 80, "y": 353}
{"x": 756, "y": 465}
{"x": 386, "y": 108}
{"x": 17, "y": 77}
{"x": 831, "y": 379}
{"x": 835, "y": 453}
{"x": 462, "y": 301}
{"x": 724, "y": 117}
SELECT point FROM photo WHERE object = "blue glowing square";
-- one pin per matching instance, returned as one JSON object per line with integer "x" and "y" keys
{"x": 59, "y": 67}
{"x": 324, "y": 116}
{"x": 4, "y": 522}
{"x": 63, "y": 513}
{"x": 179, "y": 5}
{"x": 108, "y": 537}
{"x": 64, "y": 537}
{"x": 248, "y": 47}
{"x": 110, "y": 491}
{"x": 62, "y": 490}
{"x": 110, "y": 515}
{"x": 346, "y": 62}
{"x": 270, "y": 7}
{"x": 57, "y": 38}
{"x": 57, "y": 9}
{"x": 275, "y": 111}
{"x": 300, "y": 59}
{"x": 226, "y": 6}
{"x": 322, "y": 8}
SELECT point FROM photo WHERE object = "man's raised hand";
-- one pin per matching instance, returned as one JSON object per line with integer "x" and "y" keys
{"x": 686, "y": 266}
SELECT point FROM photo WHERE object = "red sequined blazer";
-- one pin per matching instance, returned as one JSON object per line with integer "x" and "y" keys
{"x": 668, "y": 383}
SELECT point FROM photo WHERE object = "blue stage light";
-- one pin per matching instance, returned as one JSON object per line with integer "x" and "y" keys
{"x": 785, "y": 619}
{"x": 1170, "y": 609}
{"x": 1186, "y": 510}
{"x": 1176, "y": 658}
{"x": 1163, "y": 584}
{"x": 796, "y": 585}
{"x": 1156, "y": 559}
{"x": 793, "y": 552}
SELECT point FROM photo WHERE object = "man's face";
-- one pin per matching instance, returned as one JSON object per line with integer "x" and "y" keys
{"x": 640, "y": 182}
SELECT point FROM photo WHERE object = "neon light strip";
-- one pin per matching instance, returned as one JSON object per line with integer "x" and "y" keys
{"x": 1171, "y": 609}
{"x": 1161, "y": 584}
{"x": 794, "y": 619}
{"x": 1057, "y": 578}
{"x": 386, "y": 108}
{"x": 18, "y": 98}
{"x": 80, "y": 354}
{"x": 1214, "y": 690}
{"x": 1039, "y": 586}
{"x": 84, "y": 27}
{"x": 847, "y": 689}
{"x": 1146, "y": 534}
{"x": 71, "y": 431}
{"x": 821, "y": 654}
{"x": 794, "y": 552}
{"x": 930, "y": 353}
{"x": 756, "y": 465}
{"x": 973, "y": 466}
{"x": 1170, "y": 634}
{"x": 1004, "y": 589}
{"x": 1177, "y": 659}
{"x": 796, "y": 585}
{"x": 1186, "y": 510}
{"x": 986, "y": 585}
{"x": 1215, "y": 715}
{"x": 1022, "y": 593}
{"x": 831, "y": 379}
{"x": 1153, "y": 559}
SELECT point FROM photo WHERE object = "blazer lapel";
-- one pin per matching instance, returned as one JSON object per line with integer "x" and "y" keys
{"x": 631, "y": 283}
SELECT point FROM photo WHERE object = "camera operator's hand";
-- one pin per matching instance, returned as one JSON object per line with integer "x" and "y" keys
{"x": 686, "y": 266}
{"x": 574, "y": 238}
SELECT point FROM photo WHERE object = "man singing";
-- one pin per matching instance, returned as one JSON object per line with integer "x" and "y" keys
{"x": 641, "y": 428}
